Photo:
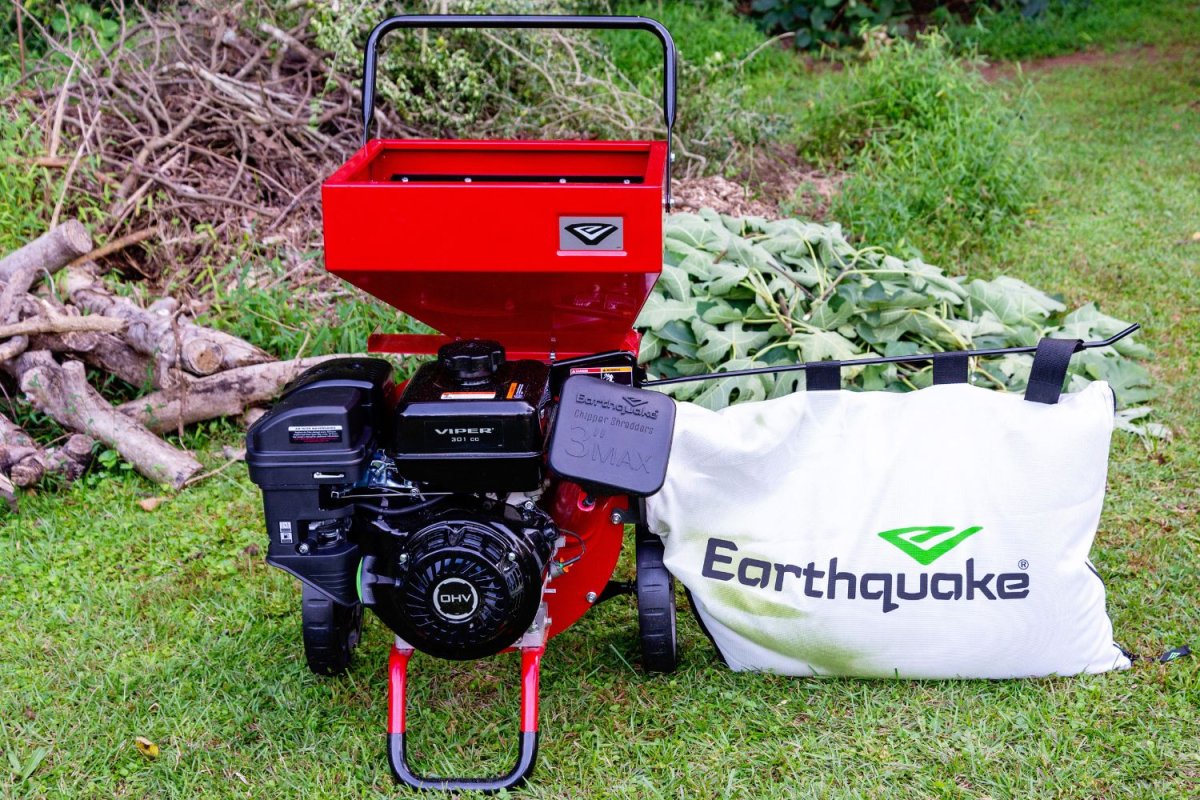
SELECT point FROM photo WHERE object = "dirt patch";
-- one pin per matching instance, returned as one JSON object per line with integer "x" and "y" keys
{"x": 719, "y": 194}
{"x": 1087, "y": 58}
{"x": 775, "y": 184}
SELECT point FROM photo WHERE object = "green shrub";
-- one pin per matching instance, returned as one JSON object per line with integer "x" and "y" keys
{"x": 832, "y": 23}
{"x": 721, "y": 54}
{"x": 707, "y": 33}
{"x": 454, "y": 82}
{"x": 85, "y": 22}
{"x": 938, "y": 158}
{"x": 607, "y": 85}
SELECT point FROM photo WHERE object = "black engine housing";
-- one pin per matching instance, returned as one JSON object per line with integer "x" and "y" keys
{"x": 460, "y": 583}
{"x": 423, "y": 504}
{"x": 400, "y": 501}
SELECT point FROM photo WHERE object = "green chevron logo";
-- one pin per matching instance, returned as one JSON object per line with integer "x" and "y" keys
{"x": 927, "y": 543}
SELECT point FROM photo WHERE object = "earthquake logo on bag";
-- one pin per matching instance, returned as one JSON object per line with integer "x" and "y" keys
{"x": 922, "y": 543}
{"x": 927, "y": 544}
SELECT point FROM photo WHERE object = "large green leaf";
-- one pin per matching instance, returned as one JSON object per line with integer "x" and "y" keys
{"x": 659, "y": 310}
{"x": 675, "y": 282}
{"x": 716, "y": 344}
{"x": 823, "y": 345}
{"x": 1012, "y": 301}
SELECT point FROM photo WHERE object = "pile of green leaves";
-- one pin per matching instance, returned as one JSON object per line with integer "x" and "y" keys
{"x": 744, "y": 293}
{"x": 940, "y": 161}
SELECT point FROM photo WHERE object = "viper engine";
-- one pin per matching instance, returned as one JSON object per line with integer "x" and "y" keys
{"x": 421, "y": 501}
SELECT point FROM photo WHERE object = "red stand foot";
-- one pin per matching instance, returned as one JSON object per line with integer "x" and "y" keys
{"x": 531, "y": 661}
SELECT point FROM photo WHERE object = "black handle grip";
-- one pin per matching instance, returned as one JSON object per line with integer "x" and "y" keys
{"x": 523, "y": 21}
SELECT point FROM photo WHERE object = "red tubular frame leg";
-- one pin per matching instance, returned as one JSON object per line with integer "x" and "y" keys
{"x": 531, "y": 661}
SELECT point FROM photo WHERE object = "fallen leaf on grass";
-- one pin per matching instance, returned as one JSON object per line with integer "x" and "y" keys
{"x": 146, "y": 747}
{"x": 151, "y": 503}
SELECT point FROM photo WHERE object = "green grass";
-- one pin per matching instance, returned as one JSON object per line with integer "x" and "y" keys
{"x": 117, "y": 623}
{"x": 22, "y": 189}
{"x": 1068, "y": 26}
{"x": 938, "y": 158}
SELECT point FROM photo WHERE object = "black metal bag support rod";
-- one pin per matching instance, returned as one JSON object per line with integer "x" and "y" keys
{"x": 524, "y": 21}
{"x": 860, "y": 362}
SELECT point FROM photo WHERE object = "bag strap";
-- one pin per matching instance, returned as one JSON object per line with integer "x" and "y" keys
{"x": 950, "y": 368}
{"x": 823, "y": 377}
{"x": 1049, "y": 370}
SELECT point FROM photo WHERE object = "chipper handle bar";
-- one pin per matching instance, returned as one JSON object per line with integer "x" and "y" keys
{"x": 524, "y": 21}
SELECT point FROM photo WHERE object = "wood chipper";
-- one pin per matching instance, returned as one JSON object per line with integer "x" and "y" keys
{"x": 479, "y": 507}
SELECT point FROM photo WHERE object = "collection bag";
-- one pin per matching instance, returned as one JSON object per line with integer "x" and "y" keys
{"x": 942, "y": 533}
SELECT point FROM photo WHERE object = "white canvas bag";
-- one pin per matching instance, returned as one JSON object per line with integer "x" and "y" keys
{"x": 942, "y": 533}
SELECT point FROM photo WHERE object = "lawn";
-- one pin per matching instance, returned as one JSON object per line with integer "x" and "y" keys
{"x": 118, "y": 622}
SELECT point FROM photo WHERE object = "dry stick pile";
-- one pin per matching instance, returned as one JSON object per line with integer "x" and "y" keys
{"x": 45, "y": 342}
{"x": 201, "y": 128}
{"x": 196, "y": 131}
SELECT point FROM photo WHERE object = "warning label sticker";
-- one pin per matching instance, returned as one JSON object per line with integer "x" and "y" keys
{"x": 621, "y": 375}
{"x": 314, "y": 434}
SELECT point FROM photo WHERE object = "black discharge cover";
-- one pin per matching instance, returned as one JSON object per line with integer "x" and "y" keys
{"x": 610, "y": 438}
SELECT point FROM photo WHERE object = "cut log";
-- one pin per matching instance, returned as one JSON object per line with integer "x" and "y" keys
{"x": 27, "y": 463}
{"x": 62, "y": 392}
{"x": 58, "y": 323}
{"x": 226, "y": 394}
{"x": 21, "y": 269}
{"x": 50, "y": 252}
{"x": 70, "y": 459}
{"x": 251, "y": 416}
{"x": 13, "y": 348}
{"x": 160, "y": 333}
{"x": 20, "y": 457}
{"x": 52, "y": 322}
{"x": 108, "y": 353}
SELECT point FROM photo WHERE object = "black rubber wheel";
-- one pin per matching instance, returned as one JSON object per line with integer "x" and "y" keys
{"x": 331, "y": 632}
{"x": 656, "y": 605}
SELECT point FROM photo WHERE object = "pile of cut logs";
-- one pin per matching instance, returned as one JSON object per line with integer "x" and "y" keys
{"x": 55, "y": 325}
